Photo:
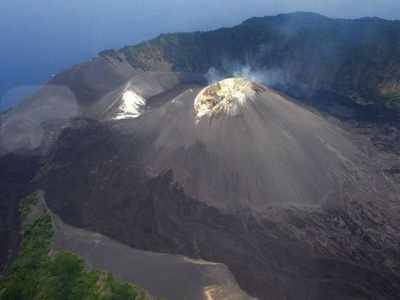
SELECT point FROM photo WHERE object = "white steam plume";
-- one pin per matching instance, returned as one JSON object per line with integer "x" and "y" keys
{"x": 266, "y": 77}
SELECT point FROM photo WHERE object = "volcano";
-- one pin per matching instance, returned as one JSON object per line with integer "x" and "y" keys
{"x": 239, "y": 145}
{"x": 236, "y": 173}
{"x": 153, "y": 168}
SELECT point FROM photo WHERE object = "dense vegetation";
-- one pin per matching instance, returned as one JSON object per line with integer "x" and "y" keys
{"x": 301, "y": 53}
{"x": 39, "y": 273}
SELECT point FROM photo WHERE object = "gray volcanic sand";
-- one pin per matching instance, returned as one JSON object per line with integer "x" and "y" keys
{"x": 273, "y": 153}
{"x": 293, "y": 249}
{"x": 163, "y": 275}
{"x": 276, "y": 160}
{"x": 91, "y": 90}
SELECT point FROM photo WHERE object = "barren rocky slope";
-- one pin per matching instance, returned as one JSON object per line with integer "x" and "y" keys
{"x": 294, "y": 252}
{"x": 66, "y": 141}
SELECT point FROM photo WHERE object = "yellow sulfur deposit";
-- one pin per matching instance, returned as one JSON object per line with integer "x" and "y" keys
{"x": 225, "y": 97}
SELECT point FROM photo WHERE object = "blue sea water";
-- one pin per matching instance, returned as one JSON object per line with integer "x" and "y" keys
{"x": 39, "y": 38}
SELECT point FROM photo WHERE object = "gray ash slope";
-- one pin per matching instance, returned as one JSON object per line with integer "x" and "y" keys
{"x": 166, "y": 275}
{"x": 293, "y": 205}
{"x": 111, "y": 177}
{"x": 270, "y": 152}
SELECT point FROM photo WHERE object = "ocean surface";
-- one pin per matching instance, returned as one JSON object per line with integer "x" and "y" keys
{"x": 40, "y": 38}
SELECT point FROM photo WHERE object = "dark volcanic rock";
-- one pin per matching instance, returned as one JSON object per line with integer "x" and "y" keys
{"x": 163, "y": 275}
{"x": 165, "y": 183}
{"x": 16, "y": 173}
{"x": 94, "y": 179}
